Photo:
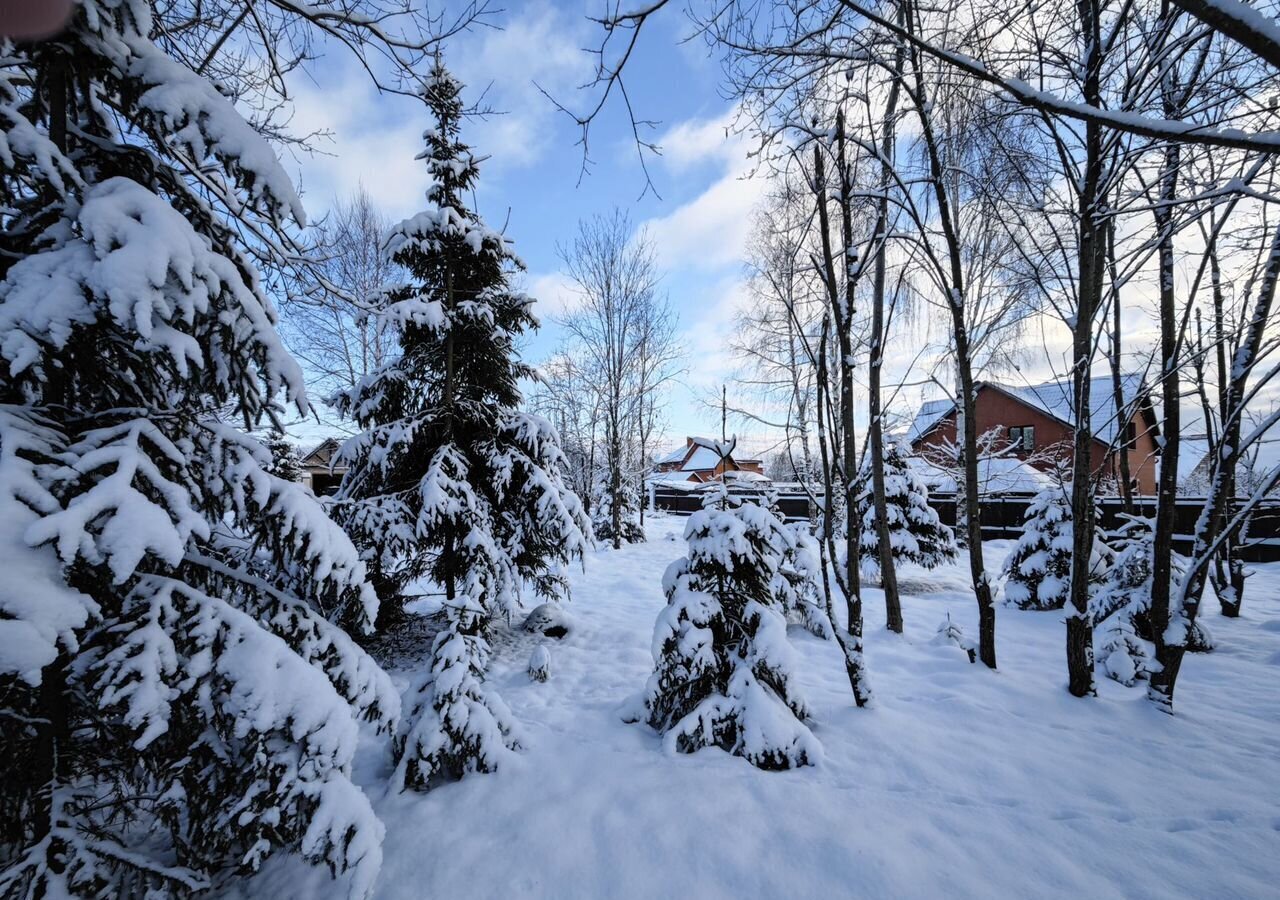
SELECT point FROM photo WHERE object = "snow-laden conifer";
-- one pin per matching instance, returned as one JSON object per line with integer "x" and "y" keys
{"x": 629, "y": 530}
{"x": 801, "y": 578}
{"x": 285, "y": 462}
{"x": 451, "y": 487}
{"x": 1121, "y": 610}
{"x": 1038, "y": 569}
{"x": 175, "y": 676}
{"x": 723, "y": 675}
{"x": 916, "y": 534}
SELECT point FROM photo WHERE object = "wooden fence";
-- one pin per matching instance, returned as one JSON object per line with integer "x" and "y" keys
{"x": 1003, "y": 514}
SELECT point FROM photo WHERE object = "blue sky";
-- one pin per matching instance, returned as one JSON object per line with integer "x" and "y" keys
{"x": 531, "y": 180}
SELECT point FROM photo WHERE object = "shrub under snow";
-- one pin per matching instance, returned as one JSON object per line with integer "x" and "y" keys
{"x": 629, "y": 530}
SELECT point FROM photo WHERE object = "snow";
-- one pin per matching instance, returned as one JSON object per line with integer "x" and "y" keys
{"x": 958, "y": 782}
{"x": 996, "y": 474}
{"x": 38, "y": 610}
{"x": 674, "y": 456}
{"x": 701, "y": 458}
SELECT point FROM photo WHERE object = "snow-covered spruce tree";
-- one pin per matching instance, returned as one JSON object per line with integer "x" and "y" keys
{"x": 175, "y": 678}
{"x": 722, "y": 661}
{"x": 450, "y": 485}
{"x": 629, "y": 530}
{"x": 800, "y": 588}
{"x": 1038, "y": 569}
{"x": 915, "y": 532}
{"x": 1121, "y": 610}
{"x": 285, "y": 463}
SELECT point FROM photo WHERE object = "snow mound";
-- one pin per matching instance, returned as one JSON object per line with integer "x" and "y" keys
{"x": 549, "y": 620}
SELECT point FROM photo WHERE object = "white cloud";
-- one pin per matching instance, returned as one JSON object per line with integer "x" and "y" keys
{"x": 713, "y": 229}
{"x": 369, "y": 146}
{"x": 554, "y": 291}
{"x": 540, "y": 44}
{"x": 375, "y": 137}
{"x": 696, "y": 141}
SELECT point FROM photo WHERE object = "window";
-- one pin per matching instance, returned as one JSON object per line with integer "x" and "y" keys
{"x": 1130, "y": 436}
{"x": 1023, "y": 437}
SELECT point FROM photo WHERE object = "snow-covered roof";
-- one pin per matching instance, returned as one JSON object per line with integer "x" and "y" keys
{"x": 675, "y": 477}
{"x": 319, "y": 455}
{"x": 1053, "y": 398}
{"x": 674, "y": 456}
{"x": 744, "y": 475}
{"x": 1192, "y": 449}
{"x": 997, "y": 475}
{"x": 719, "y": 448}
{"x": 930, "y": 414}
{"x": 701, "y": 458}
{"x": 1057, "y": 399}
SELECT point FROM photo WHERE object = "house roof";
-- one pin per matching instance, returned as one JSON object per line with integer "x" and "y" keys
{"x": 699, "y": 454}
{"x": 719, "y": 448}
{"x": 673, "y": 457}
{"x": 1055, "y": 399}
{"x": 996, "y": 475}
{"x": 321, "y": 454}
{"x": 931, "y": 412}
{"x": 701, "y": 458}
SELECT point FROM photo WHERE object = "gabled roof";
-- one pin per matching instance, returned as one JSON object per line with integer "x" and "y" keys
{"x": 321, "y": 454}
{"x": 930, "y": 414}
{"x": 719, "y": 448}
{"x": 701, "y": 458}
{"x": 674, "y": 456}
{"x": 1055, "y": 399}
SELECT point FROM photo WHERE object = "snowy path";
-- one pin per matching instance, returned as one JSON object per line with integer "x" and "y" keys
{"x": 959, "y": 783}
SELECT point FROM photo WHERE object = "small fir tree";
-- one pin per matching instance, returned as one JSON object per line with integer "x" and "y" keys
{"x": 801, "y": 577}
{"x": 285, "y": 462}
{"x": 630, "y": 531}
{"x": 950, "y": 633}
{"x": 449, "y": 483}
{"x": 1121, "y": 609}
{"x": 723, "y": 675}
{"x": 916, "y": 534}
{"x": 1038, "y": 569}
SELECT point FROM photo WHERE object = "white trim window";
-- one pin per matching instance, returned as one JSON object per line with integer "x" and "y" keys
{"x": 1023, "y": 437}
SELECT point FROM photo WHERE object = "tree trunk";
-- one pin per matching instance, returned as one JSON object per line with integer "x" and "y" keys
{"x": 1162, "y": 563}
{"x": 51, "y": 738}
{"x": 1124, "y": 415}
{"x": 1091, "y": 259}
{"x": 851, "y": 642}
{"x": 1229, "y": 584}
{"x": 1217, "y": 510}
{"x": 888, "y": 572}
{"x": 968, "y": 506}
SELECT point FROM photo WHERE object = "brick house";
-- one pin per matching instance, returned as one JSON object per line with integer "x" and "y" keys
{"x": 699, "y": 461}
{"x": 1037, "y": 423}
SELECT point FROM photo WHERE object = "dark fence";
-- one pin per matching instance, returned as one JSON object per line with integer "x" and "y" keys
{"x": 1003, "y": 514}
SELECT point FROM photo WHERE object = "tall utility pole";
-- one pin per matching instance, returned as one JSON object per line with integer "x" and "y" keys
{"x": 724, "y": 413}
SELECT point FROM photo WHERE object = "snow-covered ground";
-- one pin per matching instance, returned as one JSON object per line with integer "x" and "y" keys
{"x": 960, "y": 782}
